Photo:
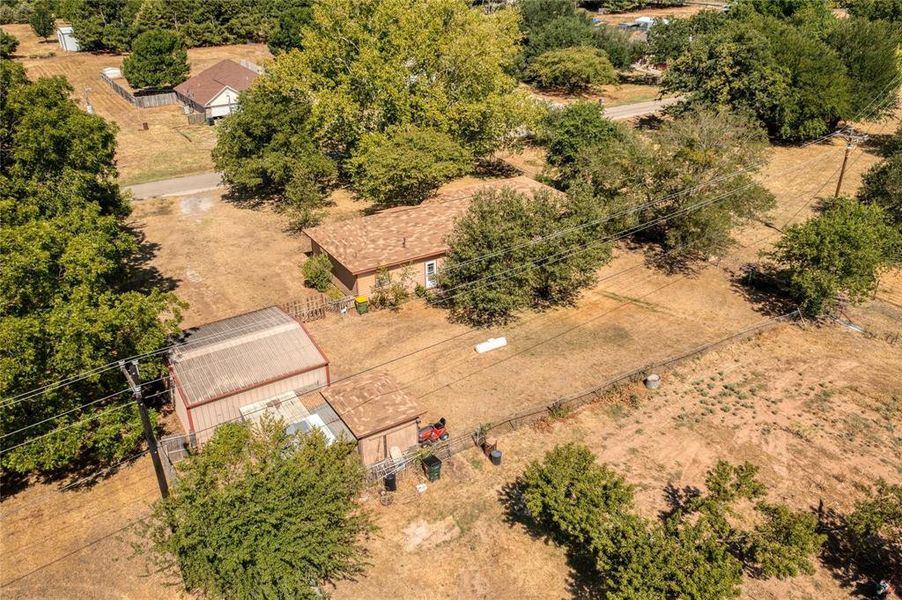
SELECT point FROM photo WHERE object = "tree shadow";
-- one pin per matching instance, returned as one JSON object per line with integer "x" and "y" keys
{"x": 583, "y": 579}
{"x": 883, "y": 145}
{"x": 679, "y": 499}
{"x": 145, "y": 276}
{"x": 764, "y": 288}
{"x": 494, "y": 167}
{"x": 244, "y": 198}
{"x": 856, "y": 571}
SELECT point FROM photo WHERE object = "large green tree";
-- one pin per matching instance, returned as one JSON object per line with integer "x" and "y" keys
{"x": 571, "y": 69}
{"x": 8, "y": 44}
{"x": 67, "y": 304}
{"x": 158, "y": 60}
{"x": 371, "y": 65}
{"x": 882, "y": 185}
{"x": 514, "y": 251}
{"x": 41, "y": 19}
{"x": 404, "y": 165}
{"x": 840, "y": 251}
{"x": 260, "y": 513}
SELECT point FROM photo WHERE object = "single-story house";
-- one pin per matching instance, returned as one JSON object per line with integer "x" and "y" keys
{"x": 378, "y": 413}
{"x": 411, "y": 238}
{"x": 65, "y": 35}
{"x": 214, "y": 92}
{"x": 225, "y": 366}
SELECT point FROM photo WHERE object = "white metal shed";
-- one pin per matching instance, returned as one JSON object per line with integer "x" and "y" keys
{"x": 65, "y": 35}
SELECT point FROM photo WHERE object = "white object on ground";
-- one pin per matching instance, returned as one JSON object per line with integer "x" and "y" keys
{"x": 491, "y": 344}
{"x": 421, "y": 487}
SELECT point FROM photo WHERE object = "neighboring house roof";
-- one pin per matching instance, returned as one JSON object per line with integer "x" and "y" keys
{"x": 243, "y": 352}
{"x": 400, "y": 235}
{"x": 207, "y": 84}
{"x": 371, "y": 403}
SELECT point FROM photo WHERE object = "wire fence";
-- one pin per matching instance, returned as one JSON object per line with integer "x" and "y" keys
{"x": 478, "y": 437}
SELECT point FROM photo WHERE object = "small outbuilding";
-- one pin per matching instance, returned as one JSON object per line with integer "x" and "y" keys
{"x": 261, "y": 357}
{"x": 377, "y": 412}
{"x": 65, "y": 35}
{"x": 214, "y": 92}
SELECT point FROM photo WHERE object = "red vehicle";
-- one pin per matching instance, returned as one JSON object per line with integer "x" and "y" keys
{"x": 433, "y": 433}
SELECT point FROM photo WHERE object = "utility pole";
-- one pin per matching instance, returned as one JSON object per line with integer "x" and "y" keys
{"x": 130, "y": 369}
{"x": 852, "y": 139}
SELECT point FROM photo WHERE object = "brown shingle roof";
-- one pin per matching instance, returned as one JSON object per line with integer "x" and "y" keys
{"x": 371, "y": 403}
{"x": 204, "y": 86}
{"x": 400, "y": 235}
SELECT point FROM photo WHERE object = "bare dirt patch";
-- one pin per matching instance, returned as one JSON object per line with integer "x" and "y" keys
{"x": 816, "y": 408}
{"x": 170, "y": 146}
{"x": 655, "y": 13}
{"x": 220, "y": 258}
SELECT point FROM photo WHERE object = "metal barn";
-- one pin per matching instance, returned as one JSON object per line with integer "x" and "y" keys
{"x": 223, "y": 367}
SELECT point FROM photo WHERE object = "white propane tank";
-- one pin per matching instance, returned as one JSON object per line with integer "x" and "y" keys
{"x": 491, "y": 344}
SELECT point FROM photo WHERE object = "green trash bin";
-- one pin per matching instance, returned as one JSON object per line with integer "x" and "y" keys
{"x": 432, "y": 465}
{"x": 362, "y": 304}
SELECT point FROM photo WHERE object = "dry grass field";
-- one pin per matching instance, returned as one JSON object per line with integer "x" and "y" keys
{"x": 170, "y": 146}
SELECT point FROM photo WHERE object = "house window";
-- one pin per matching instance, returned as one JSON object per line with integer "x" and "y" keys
{"x": 431, "y": 267}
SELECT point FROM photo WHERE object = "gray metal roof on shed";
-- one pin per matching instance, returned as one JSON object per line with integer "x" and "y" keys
{"x": 229, "y": 356}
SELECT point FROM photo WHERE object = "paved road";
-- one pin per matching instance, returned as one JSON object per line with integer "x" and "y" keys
{"x": 179, "y": 186}
{"x": 639, "y": 109}
{"x": 205, "y": 182}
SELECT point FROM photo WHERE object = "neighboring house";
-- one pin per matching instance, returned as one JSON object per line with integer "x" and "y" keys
{"x": 264, "y": 364}
{"x": 65, "y": 35}
{"x": 215, "y": 91}
{"x": 411, "y": 238}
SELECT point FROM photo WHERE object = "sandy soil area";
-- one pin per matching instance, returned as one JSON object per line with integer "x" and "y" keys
{"x": 169, "y": 147}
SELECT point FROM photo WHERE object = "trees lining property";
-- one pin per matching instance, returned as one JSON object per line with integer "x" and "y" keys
{"x": 68, "y": 291}
{"x": 798, "y": 71}
{"x": 260, "y": 512}
{"x": 700, "y": 548}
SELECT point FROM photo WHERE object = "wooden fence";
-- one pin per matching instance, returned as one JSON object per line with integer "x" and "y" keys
{"x": 141, "y": 99}
{"x": 316, "y": 307}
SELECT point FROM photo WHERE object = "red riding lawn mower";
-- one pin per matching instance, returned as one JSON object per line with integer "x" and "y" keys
{"x": 433, "y": 433}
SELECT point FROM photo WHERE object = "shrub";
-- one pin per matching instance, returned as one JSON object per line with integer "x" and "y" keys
{"x": 158, "y": 60}
{"x": 404, "y": 165}
{"x": 782, "y": 545}
{"x": 842, "y": 250}
{"x": 391, "y": 292}
{"x": 317, "y": 271}
{"x": 572, "y": 69}
{"x": 8, "y": 44}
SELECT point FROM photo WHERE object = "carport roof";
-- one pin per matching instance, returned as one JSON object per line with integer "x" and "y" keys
{"x": 240, "y": 353}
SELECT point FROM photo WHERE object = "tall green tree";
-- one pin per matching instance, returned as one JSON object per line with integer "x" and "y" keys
{"x": 67, "y": 303}
{"x": 371, "y": 65}
{"x": 882, "y": 185}
{"x": 41, "y": 19}
{"x": 286, "y": 34}
{"x": 158, "y": 60}
{"x": 572, "y": 69}
{"x": 262, "y": 513}
{"x": 842, "y": 250}
{"x": 404, "y": 165}
{"x": 699, "y": 184}
{"x": 511, "y": 252}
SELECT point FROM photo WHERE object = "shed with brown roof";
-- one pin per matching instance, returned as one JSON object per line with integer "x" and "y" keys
{"x": 411, "y": 238}
{"x": 378, "y": 413}
{"x": 215, "y": 91}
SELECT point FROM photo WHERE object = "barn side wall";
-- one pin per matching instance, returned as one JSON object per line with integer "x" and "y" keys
{"x": 207, "y": 417}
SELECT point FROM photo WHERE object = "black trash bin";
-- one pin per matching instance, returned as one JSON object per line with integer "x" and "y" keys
{"x": 432, "y": 465}
{"x": 391, "y": 482}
